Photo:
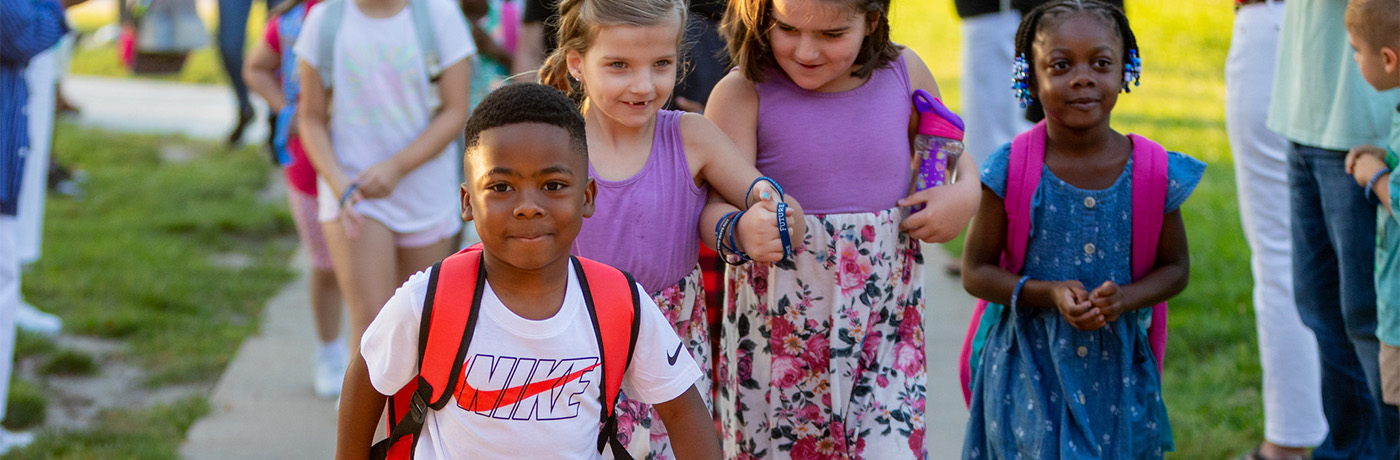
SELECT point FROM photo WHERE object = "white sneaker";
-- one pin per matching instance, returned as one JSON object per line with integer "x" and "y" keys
{"x": 330, "y": 373}
{"x": 11, "y": 440}
{"x": 30, "y": 319}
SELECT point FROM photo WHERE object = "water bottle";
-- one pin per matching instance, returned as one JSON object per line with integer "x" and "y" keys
{"x": 938, "y": 144}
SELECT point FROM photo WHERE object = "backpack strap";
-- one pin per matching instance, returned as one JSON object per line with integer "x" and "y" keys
{"x": 1149, "y": 208}
{"x": 422, "y": 26}
{"x": 613, "y": 304}
{"x": 426, "y": 32}
{"x": 1024, "y": 166}
{"x": 325, "y": 40}
{"x": 449, "y": 314}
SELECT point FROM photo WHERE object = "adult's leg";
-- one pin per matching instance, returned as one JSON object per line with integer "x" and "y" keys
{"x": 233, "y": 29}
{"x": 366, "y": 281}
{"x": 1287, "y": 349}
{"x": 1351, "y": 222}
{"x": 9, "y": 301}
{"x": 1346, "y": 399}
{"x": 988, "y": 107}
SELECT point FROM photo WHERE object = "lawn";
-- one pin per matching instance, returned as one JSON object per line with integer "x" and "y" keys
{"x": 1212, "y": 370}
{"x": 1212, "y": 367}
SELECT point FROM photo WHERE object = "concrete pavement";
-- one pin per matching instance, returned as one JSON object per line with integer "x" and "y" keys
{"x": 263, "y": 405}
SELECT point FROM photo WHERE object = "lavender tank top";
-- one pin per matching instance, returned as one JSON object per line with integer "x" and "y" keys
{"x": 840, "y": 152}
{"x": 646, "y": 224}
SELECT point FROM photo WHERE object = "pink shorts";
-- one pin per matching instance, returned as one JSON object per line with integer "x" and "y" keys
{"x": 308, "y": 228}
{"x": 445, "y": 229}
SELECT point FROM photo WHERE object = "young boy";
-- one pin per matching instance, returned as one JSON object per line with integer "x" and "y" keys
{"x": 1374, "y": 29}
{"x": 528, "y": 191}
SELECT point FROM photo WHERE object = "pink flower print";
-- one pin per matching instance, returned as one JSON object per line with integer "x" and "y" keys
{"x": 871, "y": 346}
{"x": 882, "y": 381}
{"x": 760, "y": 280}
{"x": 781, "y": 330}
{"x": 908, "y": 358}
{"x": 805, "y": 448}
{"x": 853, "y": 272}
{"x": 810, "y": 412}
{"x": 916, "y": 441}
{"x": 745, "y": 367}
{"x": 817, "y": 352}
{"x": 867, "y": 233}
{"x": 910, "y": 325}
{"x": 787, "y": 371}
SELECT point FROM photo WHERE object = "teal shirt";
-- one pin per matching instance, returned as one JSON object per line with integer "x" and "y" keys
{"x": 1320, "y": 98}
{"x": 1388, "y": 247}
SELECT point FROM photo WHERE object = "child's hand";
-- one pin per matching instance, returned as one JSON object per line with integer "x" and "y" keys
{"x": 348, "y": 217}
{"x": 1108, "y": 298}
{"x": 379, "y": 180}
{"x": 1363, "y": 161}
{"x": 1073, "y": 303}
{"x": 758, "y": 230}
{"x": 947, "y": 210}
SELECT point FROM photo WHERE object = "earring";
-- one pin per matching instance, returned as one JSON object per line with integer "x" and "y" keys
{"x": 1019, "y": 71}
{"x": 1132, "y": 71}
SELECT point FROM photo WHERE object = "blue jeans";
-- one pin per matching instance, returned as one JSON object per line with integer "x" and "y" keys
{"x": 233, "y": 40}
{"x": 1334, "y": 237}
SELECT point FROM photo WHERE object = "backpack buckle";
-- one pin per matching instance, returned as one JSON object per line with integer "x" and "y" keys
{"x": 417, "y": 408}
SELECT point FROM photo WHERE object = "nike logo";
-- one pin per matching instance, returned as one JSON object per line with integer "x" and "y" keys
{"x": 671, "y": 358}
{"x": 475, "y": 400}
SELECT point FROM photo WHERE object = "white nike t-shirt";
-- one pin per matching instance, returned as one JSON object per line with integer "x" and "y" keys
{"x": 536, "y": 383}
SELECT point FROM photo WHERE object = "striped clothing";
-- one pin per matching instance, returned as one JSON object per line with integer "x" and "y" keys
{"x": 27, "y": 27}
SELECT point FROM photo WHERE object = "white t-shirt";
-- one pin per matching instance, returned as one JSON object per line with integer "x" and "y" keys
{"x": 379, "y": 104}
{"x": 550, "y": 367}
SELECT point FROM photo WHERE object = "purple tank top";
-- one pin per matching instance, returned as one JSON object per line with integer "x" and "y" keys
{"x": 646, "y": 224}
{"x": 838, "y": 152}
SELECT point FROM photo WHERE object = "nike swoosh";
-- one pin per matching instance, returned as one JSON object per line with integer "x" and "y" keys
{"x": 671, "y": 358}
{"x": 482, "y": 401}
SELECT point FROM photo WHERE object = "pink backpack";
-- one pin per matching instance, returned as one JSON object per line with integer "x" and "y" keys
{"x": 1022, "y": 178}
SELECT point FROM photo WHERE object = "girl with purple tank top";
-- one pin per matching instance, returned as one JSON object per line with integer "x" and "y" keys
{"x": 655, "y": 171}
{"x": 824, "y": 357}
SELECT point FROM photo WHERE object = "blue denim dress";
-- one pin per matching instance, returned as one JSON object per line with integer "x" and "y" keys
{"x": 1045, "y": 390}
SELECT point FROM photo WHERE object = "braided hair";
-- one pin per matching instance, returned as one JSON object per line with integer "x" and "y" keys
{"x": 1049, "y": 14}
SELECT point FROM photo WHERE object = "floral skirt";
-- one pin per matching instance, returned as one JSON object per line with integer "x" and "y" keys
{"x": 684, "y": 305}
{"x": 823, "y": 357}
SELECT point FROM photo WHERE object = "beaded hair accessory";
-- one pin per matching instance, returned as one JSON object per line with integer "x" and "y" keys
{"x": 1018, "y": 81}
{"x": 1132, "y": 71}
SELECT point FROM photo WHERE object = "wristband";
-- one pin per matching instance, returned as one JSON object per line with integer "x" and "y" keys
{"x": 1016, "y": 293}
{"x": 348, "y": 191}
{"x": 1371, "y": 184}
{"x": 783, "y": 230}
{"x": 770, "y": 180}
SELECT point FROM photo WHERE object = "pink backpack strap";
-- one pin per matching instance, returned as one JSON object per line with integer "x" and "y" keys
{"x": 1024, "y": 166}
{"x": 1149, "y": 208}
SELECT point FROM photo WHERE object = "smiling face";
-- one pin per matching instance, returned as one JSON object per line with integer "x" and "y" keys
{"x": 1078, "y": 70}
{"x": 528, "y": 192}
{"x": 628, "y": 72}
{"x": 816, "y": 43}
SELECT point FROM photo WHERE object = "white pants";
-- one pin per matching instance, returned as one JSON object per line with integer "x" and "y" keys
{"x": 9, "y": 302}
{"x": 42, "y": 79}
{"x": 988, "y": 107}
{"x": 1287, "y": 349}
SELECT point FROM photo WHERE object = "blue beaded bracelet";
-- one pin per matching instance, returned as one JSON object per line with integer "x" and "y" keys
{"x": 1016, "y": 293}
{"x": 348, "y": 191}
{"x": 1371, "y": 184}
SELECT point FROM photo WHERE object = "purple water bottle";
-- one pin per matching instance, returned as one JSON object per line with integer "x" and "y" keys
{"x": 938, "y": 144}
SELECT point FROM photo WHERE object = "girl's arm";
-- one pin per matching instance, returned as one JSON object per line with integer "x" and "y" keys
{"x": 454, "y": 85}
{"x": 1167, "y": 279}
{"x": 948, "y": 207}
{"x": 260, "y": 72}
{"x": 360, "y": 408}
{"x": 690, "y": 427}
{"x": 984, "y": 278}
{"x": 313, "y": 123}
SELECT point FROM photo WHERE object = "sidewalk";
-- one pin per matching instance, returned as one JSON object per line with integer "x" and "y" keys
{"x": 263, "y": 405}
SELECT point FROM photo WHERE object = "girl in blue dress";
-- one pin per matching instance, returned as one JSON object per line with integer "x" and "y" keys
{"x": 1067, "y": 369}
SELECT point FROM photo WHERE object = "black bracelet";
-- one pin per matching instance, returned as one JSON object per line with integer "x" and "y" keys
{"x": 348, "y": 191}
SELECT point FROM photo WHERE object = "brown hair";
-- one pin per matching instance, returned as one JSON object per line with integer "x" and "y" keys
{"x": 747, "y": 23}
{"x": 1375, "y": 21}
{"x": 580, "y": 20}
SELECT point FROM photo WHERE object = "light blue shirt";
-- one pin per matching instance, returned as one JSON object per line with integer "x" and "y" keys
{"x": 1320, "y": 98}
{"x": 1388, "y": 247}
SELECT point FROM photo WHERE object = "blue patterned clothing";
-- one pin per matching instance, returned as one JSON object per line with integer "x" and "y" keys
{"x": 27, "y": 28}
{"x": 1046, "y": 390}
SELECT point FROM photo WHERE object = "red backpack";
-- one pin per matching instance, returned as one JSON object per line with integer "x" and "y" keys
{"x": 450, "y": 312}
{"x": 1025, "y": 163}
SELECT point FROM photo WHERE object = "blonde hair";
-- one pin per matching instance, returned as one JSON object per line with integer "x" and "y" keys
{"x": 580, "y": 21}
{"x": 1375, "y": 21}
{"x": 747, "y": 23}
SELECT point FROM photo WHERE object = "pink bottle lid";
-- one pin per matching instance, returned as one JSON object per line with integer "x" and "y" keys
{"x": 935, "y": 119}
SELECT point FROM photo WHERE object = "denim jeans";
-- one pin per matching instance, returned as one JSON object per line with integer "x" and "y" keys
{"x": 233, "y": 40}
{"x": 1334, "y": 237}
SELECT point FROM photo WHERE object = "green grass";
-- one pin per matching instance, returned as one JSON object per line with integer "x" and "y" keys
{"x": 1212, "y": 372}
{"x": 137, "y": 260}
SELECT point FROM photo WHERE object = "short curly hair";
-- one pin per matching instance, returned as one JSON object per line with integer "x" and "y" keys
{"x": 527, "y": 103}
